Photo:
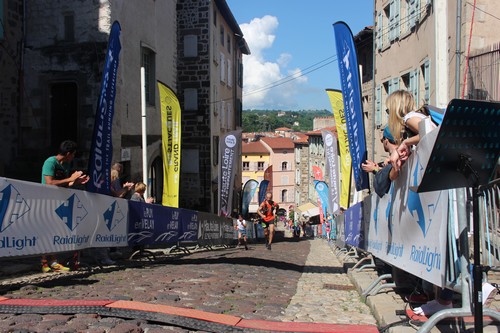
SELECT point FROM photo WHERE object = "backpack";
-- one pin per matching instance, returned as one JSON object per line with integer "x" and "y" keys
{"x": 434, "y": 113}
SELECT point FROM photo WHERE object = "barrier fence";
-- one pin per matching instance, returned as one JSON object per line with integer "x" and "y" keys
{"x": 425, "y": 234}
{"x": 38, "y": 219}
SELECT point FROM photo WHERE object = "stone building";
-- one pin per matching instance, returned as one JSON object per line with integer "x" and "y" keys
{"x": 419, "y": 48}
{"x": 64, "y": 53}
{"x": 210, "y": 83}
{"x": 11, "y": 69}
{"x": 302, "y": 180}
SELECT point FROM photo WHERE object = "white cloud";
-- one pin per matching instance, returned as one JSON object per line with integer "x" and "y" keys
{"x": 260, "y": 74}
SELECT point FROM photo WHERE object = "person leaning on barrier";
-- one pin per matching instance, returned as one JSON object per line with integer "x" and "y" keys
{"x": 140, "y": 189}
{"x": 56, "y": 170}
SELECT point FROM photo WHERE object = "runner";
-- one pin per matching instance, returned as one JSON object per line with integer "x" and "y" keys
{"x": 242, "y": 231}
{"x": 267, "y": 211}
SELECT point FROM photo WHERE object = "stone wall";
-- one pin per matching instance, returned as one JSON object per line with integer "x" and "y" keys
{"x": 193, "y": 18}
{"x": 10, "y": 82}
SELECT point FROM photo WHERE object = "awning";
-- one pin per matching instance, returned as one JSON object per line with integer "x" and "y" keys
{"x": 308, "y": 209}
{"x": 305, "y": 207}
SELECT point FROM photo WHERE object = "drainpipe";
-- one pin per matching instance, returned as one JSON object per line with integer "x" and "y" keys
{"x": 441, "y": 53}
{"x": 458, "y": 52}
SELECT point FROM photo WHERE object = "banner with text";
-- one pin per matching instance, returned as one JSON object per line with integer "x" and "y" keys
{"x": 345, "y": 154}
{"x": 171, "y": 145}
{"x": 249, "y": 190}
{"x": 351, "y": 91}
{"x": 101, "y": 149}
{"x": 152, "y": 224}
{"x": 333, "y": 171}
{"x": 229, "y": 157}
{"x": 39, "y": 219}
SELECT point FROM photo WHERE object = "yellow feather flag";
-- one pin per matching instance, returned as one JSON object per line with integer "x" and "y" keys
{"x": 345, "y": 155}
{"x": 171, "y": 145}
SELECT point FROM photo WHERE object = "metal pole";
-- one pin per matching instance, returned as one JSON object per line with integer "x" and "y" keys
{"x": 477, "y": 268}
{"x": 144, "y": 133}
{"x": 458, "y": 52}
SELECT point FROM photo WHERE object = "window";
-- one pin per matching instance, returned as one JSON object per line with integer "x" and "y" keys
{"x": 222, "y": 68}
{"x": 240, "y": 73}
{"x": 229, "y": 74}
{"x": 426, "y": 73}
{"x": 284, "y": 196}
{"x": 69, "y": 27}
{"x": 413, "y": 13}
{"x": 260, "y": 166}
{"x": 228, "y": 43}
{"x": 380, "y": 40}
{"x": 394, "y": 14}
{"x": 222, "y": 35}
{"x": 246, "y": 166}
{"x": 190, "y": 46}
{"x": 215, "y": 17}
{"x": 378, "y": 107}
{"x": 297, "y": 176}
{"x": 190, "y": 99}
{"x": 148, "y": 62}
{"x": 215, "y": 149}
{"x": 284, "y": 166}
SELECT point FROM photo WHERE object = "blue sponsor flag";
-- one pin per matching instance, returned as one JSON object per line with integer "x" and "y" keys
{"x": 322, "y": 189}
{"x": 351, "y": 93}
{"x": 101, "y": 150}
{"x": 248, "y": 192}
{"x": 262, "y": 190}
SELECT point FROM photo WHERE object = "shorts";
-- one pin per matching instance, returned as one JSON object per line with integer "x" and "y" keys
{"x": 266, "y": 224}
{"x": 242, "y": 232}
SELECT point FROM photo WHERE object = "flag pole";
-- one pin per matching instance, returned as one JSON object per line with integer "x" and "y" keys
{"x": 144, "y": 133}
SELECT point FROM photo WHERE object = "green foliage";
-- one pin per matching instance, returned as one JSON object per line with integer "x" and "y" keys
{"x": 269, "y": 120}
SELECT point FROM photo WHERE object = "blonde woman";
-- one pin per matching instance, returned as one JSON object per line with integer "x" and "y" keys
{"x": 117, "y": 190}
{"x": 140, "y": 189}
{"x": 404, "y": 120}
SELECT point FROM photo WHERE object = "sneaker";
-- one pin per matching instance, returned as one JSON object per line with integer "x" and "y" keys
{"x": 45, "y": 268}
{"x": 430, "y": 308}
{"x": 246, "y": 247}
{"x": 269, "y": 247}
{"x": 57, "y": 267}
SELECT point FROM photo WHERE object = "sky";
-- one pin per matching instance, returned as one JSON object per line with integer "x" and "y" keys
{"x": 293, "y": 56}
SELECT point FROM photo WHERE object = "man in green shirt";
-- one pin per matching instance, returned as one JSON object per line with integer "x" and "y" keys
{"x": 56, "y": 171}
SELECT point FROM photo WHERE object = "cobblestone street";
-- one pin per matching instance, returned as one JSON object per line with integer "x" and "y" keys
{"x": 296, "y": 281}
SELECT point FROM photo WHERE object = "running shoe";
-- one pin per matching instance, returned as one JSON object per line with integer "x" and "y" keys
{"x": 269, "y": 247}
{"x": 45, "y": 268}
{"x": 57, "y": 267}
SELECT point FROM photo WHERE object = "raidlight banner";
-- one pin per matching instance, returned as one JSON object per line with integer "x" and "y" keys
{"x": 330, "y": 143}
{"x": 38, "y": 219}
{"x": 262, "y": 190}
{"x": 171, "y": 145}
{"x": 409, "y": 229}
{"x": 152, "y": 224}
{"x": 351, "y": 91}
{"x": 345, "y": 155}
{"x": 101, "y": 149}
{"x": 229, "y": 152}
{"x": 249, "y": 190}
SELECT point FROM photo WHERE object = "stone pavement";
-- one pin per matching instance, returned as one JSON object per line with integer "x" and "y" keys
{"x": 296, "y": 281}
{"x": 324, "y": 293}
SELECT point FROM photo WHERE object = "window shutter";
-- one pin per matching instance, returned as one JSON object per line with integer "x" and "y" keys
{"x": 378, "y": 106}
{"x": 379, "y": 31}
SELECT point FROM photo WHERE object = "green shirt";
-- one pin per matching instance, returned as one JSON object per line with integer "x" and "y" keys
{"x": 52, "y": 167}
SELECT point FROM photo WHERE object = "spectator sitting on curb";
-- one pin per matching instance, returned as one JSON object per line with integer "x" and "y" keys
{"x": 56, "y": 171}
